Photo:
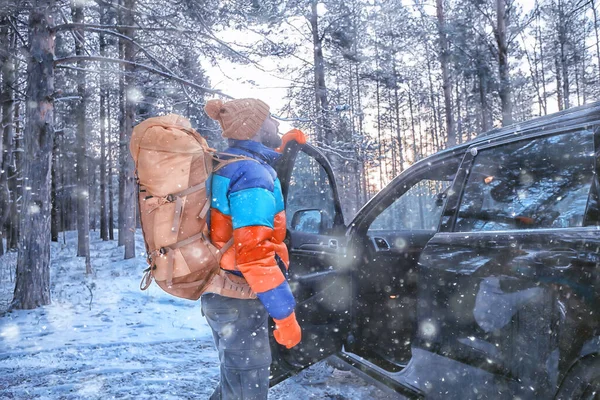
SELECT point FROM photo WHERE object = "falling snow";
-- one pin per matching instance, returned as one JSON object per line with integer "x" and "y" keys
{"x": 124, "y": 343}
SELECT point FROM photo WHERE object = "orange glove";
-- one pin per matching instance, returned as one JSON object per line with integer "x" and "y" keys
{"x": 294, "y": 134}
{"x": 287, "y": 331}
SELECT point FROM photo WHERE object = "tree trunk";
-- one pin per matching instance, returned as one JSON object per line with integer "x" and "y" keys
{"x": 562, "y": 42}
{"x": 32, "y": 287}
{"x": 432, "y": 96}
{"x": 103, "y": 95}
{"x": 398, "y": 126}
{"x": 458, "y": 130}
{"x": 321, "y": 100}
{"x": 111, "y": 212}
{"x": 542, "y": 67}
{"x": 127, "y": 229}
{"x": 7, "y": 43}
{"x": 503, "y": 69}
{"x": 83, "y": 193}
{"x": 15, "y": 171}
{"x": 584, "y": 78}
{"x": 363, "y": 174}
{"x": 486, "y": 120}
{"x": 121, "y": 203}
{"x": 55, "y": 213}
{"x": 446, "y": 84}
{"x": 565, "y": 77}
{"x": 597, "y": 35}
{"x": 412, "y": 124}
{"x": 559, "y": 86}
{"x": 103, "y": 174}
{"x": 380, "y": 155}
{"x": 577, "y": 92}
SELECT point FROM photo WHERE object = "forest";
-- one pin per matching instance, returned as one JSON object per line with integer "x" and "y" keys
{"x": 377, "y": 85}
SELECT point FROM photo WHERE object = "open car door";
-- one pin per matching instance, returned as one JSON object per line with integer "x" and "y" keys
{"x": 315, "y": 233}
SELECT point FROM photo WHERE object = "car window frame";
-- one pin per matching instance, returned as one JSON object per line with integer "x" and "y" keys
{"x": 450, "y": 214}
{"x": 315, "y": 153}
{"x": 400, "y": 186}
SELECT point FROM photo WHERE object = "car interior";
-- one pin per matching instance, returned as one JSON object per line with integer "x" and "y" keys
{"x": 392, "y": 236}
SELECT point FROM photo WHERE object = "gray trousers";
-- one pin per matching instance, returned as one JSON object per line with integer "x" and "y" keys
{"x": 241, "y": 335}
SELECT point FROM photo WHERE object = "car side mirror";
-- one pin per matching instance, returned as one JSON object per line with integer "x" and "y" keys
{"x": 309, "y": 221}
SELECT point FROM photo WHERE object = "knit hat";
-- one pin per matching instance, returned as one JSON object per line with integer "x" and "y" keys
{"x": 240, "y": 119}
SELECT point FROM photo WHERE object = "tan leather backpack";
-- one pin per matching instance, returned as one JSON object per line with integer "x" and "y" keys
{"x": 172, "y": 164}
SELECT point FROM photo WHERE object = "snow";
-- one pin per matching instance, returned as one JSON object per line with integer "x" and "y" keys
{"x": 103, "y": 338}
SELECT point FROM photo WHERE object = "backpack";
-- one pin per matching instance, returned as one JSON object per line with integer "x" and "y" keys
{"x": 172, "y": 166}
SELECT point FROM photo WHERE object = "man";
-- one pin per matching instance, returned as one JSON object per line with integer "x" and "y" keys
{"x": 247, "y": 203}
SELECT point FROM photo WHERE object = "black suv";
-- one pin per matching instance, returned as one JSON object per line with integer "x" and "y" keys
{"x": 473, "y": 274}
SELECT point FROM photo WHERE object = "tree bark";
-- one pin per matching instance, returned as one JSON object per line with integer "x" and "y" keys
{"x": 103, "y": 96}
{"x": 446, "y": 83}
{"x": 321, "y": 100}
{"x": 55, "y": 213}
{"x": 378, "y": 103}
{"x": 15, "y": 187}
{"x": 7, "y": 44}
{"x": 559, "y": 86}
{"x": 503, "y": 69}
{"x": 111, "y": 213}
{"x": 398, "y": 124}
{"x": 83, "y": 193}
{"x": 595, "y": 12}
{"x": 562, "y": 42}
{"x": 412, "y": 124}
{"x": 486, "y": 120}
{"x": 542, "y": 67}
{"x": 126, "y": 178}
{"x": 432, "y": 98}
{"x": 32, "y": 287}
{"x": 458, "y": 130}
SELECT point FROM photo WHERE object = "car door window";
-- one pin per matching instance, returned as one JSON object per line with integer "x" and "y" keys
{"x": 419, "y": 208}
{"x": 532, "y": 184}
{"x": 310, "y": 189}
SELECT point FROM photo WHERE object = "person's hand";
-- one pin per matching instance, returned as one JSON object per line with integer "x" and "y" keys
{"x": 287, "y": 331}
{"x": 294, "y": 134}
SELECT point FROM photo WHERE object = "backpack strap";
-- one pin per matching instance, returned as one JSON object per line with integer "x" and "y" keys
{"x": 233, "y": 159}
{"x": 178, "y": 199}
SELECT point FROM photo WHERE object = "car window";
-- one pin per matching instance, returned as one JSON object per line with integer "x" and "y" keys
{"x": 310, "y": 189}
{"x": 541, "y": 183}
{"x": 419, "y": 208}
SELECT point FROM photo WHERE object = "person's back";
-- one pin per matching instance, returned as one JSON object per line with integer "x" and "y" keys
{"x": 247, "y": 205}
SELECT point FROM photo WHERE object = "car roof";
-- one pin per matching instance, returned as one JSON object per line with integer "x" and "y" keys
{"x": 589, "y": 113}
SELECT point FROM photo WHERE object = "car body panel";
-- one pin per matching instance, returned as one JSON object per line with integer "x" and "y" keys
{"x": 497, "y": 314}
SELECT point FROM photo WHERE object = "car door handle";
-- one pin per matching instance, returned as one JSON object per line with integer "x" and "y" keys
{"x": 333, "y": 243}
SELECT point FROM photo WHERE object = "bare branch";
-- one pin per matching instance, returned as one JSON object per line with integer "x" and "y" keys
{"x": 72, "y": 59}
{"x": 14, "y": 27}
{"x": 69, "y": 26}
{"x": 486, "y": 15}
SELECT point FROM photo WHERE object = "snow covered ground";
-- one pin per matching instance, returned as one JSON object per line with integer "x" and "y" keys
{"x": 103, "y": 338}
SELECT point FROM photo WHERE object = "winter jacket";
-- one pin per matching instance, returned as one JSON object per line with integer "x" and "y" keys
{"x": 246, "y": 202}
